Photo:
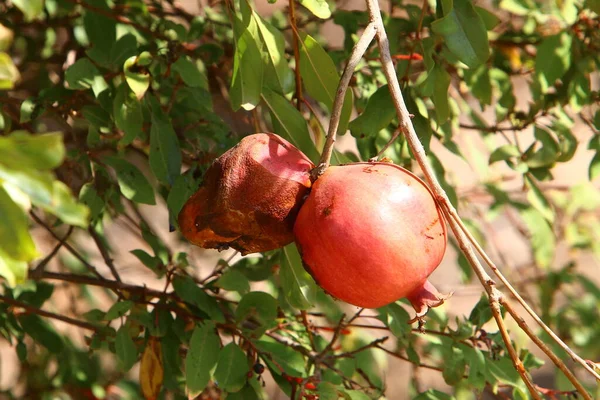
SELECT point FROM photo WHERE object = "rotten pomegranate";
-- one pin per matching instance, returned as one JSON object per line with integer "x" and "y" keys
{"x": 370, "y": 234}
{"x": 249, "y": 197}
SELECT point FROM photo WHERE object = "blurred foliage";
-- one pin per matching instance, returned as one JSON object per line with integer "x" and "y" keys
{"x": 105, "y": 102}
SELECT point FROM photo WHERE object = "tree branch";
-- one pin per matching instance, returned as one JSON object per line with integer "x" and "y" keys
{"x": 357, "y": 52}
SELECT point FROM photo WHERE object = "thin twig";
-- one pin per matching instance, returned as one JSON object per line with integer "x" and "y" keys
{"x": 357, "y": 52}
{"x": 109, "y": 261}
{"x": 47, "y": 314}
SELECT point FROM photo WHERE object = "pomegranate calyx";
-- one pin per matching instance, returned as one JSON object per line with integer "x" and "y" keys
{"x": 424, "y": 298}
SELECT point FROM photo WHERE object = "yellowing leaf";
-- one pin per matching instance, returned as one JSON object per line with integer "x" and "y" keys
{"x": 151, "y": 369}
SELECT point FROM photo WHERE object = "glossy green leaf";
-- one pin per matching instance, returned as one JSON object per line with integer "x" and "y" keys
{"x": 136, "y": 76}
{"x": 295, "y": 281}
{"x": 321, "y": 78}
{"x": 126, "y": 351}
{"x": 132, "y": 182}
{"x": 101, "y": 30}
{"x": 553, "y": 59}
{"x": 433, "y": 394}
{"x": 547, "y": 155}
{"x": 201, "y": 358}
{"x": 183, "y": 188}
{"x": 23, "y": 150}
{"x": 232, "y": 368}
{"x": 320, "y": 8}
{"x": 289, "y": 123}
{"x": 464, "y": 33}
{"x": 15, "y": 239}
{"x": 165, "y": 154}
{"x": 481, "y": 313}
{"x": 9, "y": 74}
{"x": 490, "y": 20}
{"x": 278, "y": 76}
{"x": 65, "y": 206}
{"x": 127, "y": 112}
{"x": 355, "y": 395}
{"x": 83, "y": 75}
{"x": 377, "y": 115}
{"x": 247, "y": 78}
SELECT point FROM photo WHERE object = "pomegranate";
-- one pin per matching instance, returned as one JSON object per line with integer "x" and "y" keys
{"x": 250, "y": 197}
{"x": 370, "y": 234}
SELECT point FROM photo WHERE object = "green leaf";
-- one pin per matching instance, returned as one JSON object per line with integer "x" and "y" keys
{"x": 538, "y": 200}
{"x": 15, "y": 239}
{"x": 278, "y": 76}
{"x": 83, "y": 75}
{"x": 543, "y": 241}
{"x": 327, "y": 391}
{"x": 41, "y": 151}
{"x": 118, "y": 310}
{"x": 553, "y": 59}
{"x": 32, "y": 9}
{"x": 454, "y": 365}
{"x": 183, "y": 188}
{"x": 127, "y": 112}
{"x": 9, "y": 74}
{"x": 189, "y": 72}
{"x": 594, "y": 168}
{"x": 321, "y": 78}
{"x": 396, "y": 318}
{"x": 296, "y": 283}
{"x": 290, "y": 360}
{"x": 433, "y": 394}
{"x": 234, "y": 280}
{"x": 201, "y": 358}
{"x": 547, "y": 155}
{"x": 152, "y": 262}
{"x": 64, "y": 206}
{"x": 126, "y": 351}
{"x": 101, "y": 30}
{"x": 289, "y": 123}
{"x": 377, "y": 115}
{"x": 247, "y": 78}
{"x": 504, "y": 152}
{"x": 232, "y": 368}
{"x": 124, "y": 48}
{"x": 481, "y": 313}
{"x": 479, "y": 82}
{"x": 490, "y": 20}
{"x": 436, "y": 86}
{"x": 260, "y": 306}
{"x": 15, "y": 272}
{"x": 132, "y": 182}
{"x": 41, "y": 332}
{"x": 136, "y": 76}
{"x": 165, "y": 154}
{"x": 504, "y": 371}
{"x": 464, "y": 33}
{"x": 189, "y": 292}
{"x": 319, "y": 8}
{"x": 355, "y": 395}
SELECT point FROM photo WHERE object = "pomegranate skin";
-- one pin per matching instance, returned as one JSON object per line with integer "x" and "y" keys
{"x": 370, "y": 234}
{"x": 250, "y": 197}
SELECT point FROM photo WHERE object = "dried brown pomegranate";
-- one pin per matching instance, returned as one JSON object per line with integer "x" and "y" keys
{"x": 250, "y": 197}
{"x": 370, "y": 234}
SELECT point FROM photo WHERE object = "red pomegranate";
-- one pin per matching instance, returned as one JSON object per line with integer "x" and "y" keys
{"x": 370, "y": 234}
{"x": 250, "y": 197}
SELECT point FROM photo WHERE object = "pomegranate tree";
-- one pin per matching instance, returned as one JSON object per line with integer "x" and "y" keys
{"x": 370, "y": 234}
{"x": 250, "y": 197}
